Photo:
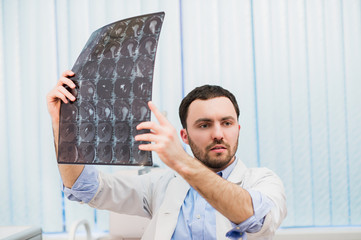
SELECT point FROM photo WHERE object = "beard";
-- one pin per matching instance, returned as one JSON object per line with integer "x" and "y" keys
{"x": 220, "y": 160}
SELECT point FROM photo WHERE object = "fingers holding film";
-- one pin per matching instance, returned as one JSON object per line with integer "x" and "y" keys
{"x": 68, "y": 73}
{"x": 66, "y": 93}
{"x": 61, "y": 96}
{"x": 64, "y": 84}
{"x": 63, "y": 81}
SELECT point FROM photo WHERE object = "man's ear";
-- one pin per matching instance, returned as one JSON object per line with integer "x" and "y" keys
{"x": 184, "y": 135}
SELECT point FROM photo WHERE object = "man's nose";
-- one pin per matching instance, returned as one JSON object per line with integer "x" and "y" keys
{"x": 217, "y": 133}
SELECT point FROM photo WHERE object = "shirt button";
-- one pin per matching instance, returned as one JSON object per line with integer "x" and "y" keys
{"x": 237, "y": 228}
{"x": 198, "y": 216}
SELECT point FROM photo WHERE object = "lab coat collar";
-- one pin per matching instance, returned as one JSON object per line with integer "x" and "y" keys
{"x": 237, "y": 174}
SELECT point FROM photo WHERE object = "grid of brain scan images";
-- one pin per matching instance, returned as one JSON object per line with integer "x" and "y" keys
{"x": 113, "y": 75}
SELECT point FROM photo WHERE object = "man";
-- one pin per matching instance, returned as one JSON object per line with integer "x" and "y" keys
{"x": 212, "y": 195}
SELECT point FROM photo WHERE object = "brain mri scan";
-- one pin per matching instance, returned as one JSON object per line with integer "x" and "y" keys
{"x": 113, "y": 78}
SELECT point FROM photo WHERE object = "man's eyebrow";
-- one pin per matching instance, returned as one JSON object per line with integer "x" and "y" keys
{"x": 228, "y": 118}
{"x": 210, "y": 120}
{"x": 203, "y": 120}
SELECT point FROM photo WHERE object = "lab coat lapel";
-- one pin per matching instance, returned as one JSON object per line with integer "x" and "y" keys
{"x": 169, "y": 211}
{"x": 237, "y": 175}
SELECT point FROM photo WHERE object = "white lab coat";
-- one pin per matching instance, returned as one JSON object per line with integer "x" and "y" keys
{"x": 160, "y": 195}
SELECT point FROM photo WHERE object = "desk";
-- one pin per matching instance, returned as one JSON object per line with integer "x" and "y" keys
{"x": 20, "y": 232}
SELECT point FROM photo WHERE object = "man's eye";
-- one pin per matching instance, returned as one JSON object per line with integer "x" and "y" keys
{"x": 228, "y": 123}
{"x": 203, "y": 126}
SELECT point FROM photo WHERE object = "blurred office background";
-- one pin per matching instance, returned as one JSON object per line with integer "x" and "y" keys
{"x": 294, "y": 66}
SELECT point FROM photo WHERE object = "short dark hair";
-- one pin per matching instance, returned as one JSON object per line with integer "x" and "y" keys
{"x": 204, "y": 92}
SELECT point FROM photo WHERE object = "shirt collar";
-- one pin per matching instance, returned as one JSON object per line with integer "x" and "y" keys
{"x": 227, "y": 171}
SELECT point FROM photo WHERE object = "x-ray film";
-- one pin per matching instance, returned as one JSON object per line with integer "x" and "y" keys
{"x": 114, "y": 76}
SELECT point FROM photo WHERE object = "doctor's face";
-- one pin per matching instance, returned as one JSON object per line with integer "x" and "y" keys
{"x": 212, "y": 132}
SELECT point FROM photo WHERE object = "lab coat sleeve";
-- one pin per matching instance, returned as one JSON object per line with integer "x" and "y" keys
{"x": 261, "y": 205}
{"x": 271, "y": 186}
{"x": 134, "y": 195}
{"x": 85, "y": 186}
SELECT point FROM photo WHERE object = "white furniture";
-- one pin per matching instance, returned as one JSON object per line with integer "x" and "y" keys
{"x": 20, "y": 233}
{"x": 327, "y": 233}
